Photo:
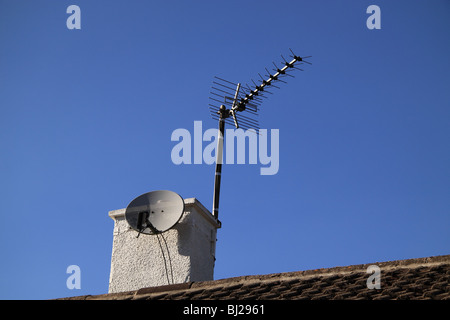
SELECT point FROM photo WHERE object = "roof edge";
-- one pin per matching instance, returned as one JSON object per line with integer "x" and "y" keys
{"x": 307, "y": 274}
{"x": 312, "y": 273}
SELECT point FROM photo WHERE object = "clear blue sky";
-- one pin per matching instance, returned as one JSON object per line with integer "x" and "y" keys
{"x": 87, "y": 115}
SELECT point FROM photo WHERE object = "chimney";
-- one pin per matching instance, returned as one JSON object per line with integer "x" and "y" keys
{"x": 182, "y": 254}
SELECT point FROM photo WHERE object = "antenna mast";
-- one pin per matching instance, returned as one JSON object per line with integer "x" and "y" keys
{"x": 243, "y": 99}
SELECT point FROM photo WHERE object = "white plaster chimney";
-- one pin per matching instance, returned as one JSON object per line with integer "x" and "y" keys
{"x": 182, "y": 254}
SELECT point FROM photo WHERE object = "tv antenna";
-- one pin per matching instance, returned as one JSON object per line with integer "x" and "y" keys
{"x": 229, "y": 98}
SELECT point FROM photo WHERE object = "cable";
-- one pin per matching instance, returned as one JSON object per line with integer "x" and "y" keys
{"x": 170, "y": 260}
{"x": 164, "y": 258}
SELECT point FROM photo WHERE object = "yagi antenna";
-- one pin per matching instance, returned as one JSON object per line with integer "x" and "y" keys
{"x": 229, "y": 98}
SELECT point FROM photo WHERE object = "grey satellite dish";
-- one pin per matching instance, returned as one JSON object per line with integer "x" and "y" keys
{"x": 155, "y": 212}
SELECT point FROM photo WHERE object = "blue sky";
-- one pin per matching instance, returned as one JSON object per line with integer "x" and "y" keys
{"x": 87, "y": 116}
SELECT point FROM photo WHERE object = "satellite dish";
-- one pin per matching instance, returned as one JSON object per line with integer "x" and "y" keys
{"x": 155, "y": 212}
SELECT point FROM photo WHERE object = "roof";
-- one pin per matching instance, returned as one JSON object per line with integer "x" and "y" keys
{"x": 416, "y": 279}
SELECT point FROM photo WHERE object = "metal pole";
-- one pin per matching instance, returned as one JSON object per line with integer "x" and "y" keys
{"x": 233, "y": 107}
{"x": 223, "y": 114}
{"x": 219, "y": 160}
